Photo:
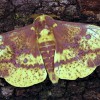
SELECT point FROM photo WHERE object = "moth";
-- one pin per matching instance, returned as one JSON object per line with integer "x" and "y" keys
{"x": 63, "y": 50}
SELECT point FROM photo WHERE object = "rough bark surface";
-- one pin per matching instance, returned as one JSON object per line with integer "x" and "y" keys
{"x": 18, "y": 13}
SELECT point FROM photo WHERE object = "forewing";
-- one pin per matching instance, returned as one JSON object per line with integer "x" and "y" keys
{"x": 21, "y": 64}
{"x": 77, "y": 50}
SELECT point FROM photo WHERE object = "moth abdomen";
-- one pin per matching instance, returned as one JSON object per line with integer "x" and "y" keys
{"x": 47, "y": 50}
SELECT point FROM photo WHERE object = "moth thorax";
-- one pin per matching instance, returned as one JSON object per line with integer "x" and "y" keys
{"x": 45, "y": 35}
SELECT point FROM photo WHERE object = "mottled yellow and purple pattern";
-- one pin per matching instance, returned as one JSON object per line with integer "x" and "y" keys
{"x": 64, "y": 50}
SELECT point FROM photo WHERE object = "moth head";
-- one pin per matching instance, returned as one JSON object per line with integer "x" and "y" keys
{"x": 43, "y": 17}
{"x": 43, "y": 21}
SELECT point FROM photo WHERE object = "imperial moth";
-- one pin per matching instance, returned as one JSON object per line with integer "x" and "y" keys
{"x": 64, "y": 50}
